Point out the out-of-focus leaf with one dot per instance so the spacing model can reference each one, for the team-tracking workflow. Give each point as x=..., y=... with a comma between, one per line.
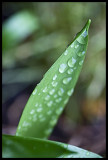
x=21, y=147
x=17, y=28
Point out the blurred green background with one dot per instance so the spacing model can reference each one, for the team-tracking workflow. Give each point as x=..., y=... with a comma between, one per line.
x=34, y=35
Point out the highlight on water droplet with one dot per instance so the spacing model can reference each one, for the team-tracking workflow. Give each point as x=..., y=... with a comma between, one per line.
x=51, y=91
x=48, y=131
x=34, y=92
x=39, y=109
x=58, y=100
x=65, y=101
x=34, y=117
x=36, y=104
x=54, y=84
x=61, y=91
x=62, y=68
x=50, y=103
x=66, y=52
x=47, y=97
x=59, y=110
x=67, y=80
x=80, y=54
x=70, y=70
x=53, y=122
x=54, y=78
x=84, y=34
x=81, y=62
x=72, y=45
x=55, y=96
x=70, y=92
x=71, y=62
x=77, y=45
x=32, y=111
x=45, y=89
x=42, y=119
x=49, y=112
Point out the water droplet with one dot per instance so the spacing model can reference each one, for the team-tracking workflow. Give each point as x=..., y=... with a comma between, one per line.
x=53, y=122
x=55, y=96
x=34, y=117
x=32, y=111
x=66, y=53
x=45, y=89
x=70, y=70
x=48, y=131
x=80, y=54
x=36, y=104
x=81, y=62
x=62, y=68
x=59, y=110
x=50, y=103
x=70, y=92
x=61, y=91
x=34, y=92
x=49, y=112
x=19, y=127
x=54, y=84
x=72, y=45
x=58, y=100
x=77, y=45
x=71, y=62
x=39, y=109
x=84, y=34
x=65, y=101
x=47, y=97
x=25, y=124
x=42, y=119
x=52, y=91
x=67, y=80
x=40, y=116
x=54, y=78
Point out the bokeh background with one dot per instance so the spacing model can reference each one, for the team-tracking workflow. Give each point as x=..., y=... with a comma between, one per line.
x=34, y=35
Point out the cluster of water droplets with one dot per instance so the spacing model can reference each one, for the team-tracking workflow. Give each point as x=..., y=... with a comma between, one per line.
x=53, y=95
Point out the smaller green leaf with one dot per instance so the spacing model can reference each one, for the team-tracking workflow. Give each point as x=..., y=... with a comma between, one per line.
x=21, y=147
x=18, y=27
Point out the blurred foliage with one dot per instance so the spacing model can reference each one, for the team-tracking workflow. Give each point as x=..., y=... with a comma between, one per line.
x=35, y=34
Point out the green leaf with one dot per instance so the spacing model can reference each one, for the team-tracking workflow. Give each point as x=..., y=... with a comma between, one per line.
x=21, y=147
x=52, y=94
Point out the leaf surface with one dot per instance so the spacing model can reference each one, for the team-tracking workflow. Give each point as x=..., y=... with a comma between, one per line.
x=51, y=95
x=21, y=147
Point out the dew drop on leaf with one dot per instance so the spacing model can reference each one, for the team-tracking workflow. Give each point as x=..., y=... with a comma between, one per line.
x=80, y=54
x=50, y=103
x=62, y=68
x=84, y=34
x=54, y=84
x=58, y=100
x=47, y=97
x=70, y=70
x=81, y=62
x=71, y=62
x=61, y=91
x=70, y=92
x=45, y=89
x=67, y=80
x=66, y=52
x=51, y=91
x=54, y=78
